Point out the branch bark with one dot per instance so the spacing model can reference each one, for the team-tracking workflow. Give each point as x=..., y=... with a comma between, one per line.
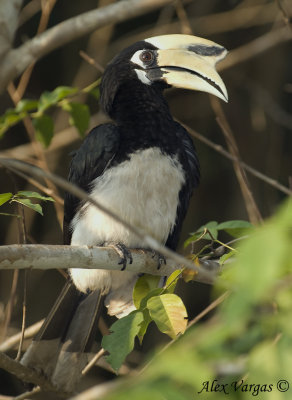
x=17, y=60
x=23, y=373
x=38, y=256
x=9, y=10
x=148, y=241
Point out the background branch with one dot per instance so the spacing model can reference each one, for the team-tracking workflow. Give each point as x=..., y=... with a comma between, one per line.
x=17, y=60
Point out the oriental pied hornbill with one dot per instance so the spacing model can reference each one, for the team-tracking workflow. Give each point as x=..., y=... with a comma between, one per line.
x=143, y=166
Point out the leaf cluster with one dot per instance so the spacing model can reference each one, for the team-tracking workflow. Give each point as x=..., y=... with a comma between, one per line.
x=61, y=97
x=153, y=303
x=248, y=344
x=24, y=197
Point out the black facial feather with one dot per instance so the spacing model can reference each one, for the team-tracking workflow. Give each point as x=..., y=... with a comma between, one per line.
x=119, y=70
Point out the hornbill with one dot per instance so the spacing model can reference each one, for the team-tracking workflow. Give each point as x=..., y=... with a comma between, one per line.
x=144, y=167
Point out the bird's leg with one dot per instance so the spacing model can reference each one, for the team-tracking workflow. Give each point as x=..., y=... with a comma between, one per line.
x=123, y=252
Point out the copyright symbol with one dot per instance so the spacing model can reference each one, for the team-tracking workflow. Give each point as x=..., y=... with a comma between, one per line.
x=282, y=385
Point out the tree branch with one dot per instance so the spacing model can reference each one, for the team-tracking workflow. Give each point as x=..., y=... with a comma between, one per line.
x=148, y=241
x=23, y=373
x=39, y=256
x=17, y=60
x=14, y=340
x=9, y=10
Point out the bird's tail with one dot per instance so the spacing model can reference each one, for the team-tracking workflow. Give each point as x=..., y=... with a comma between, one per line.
x=66, y=340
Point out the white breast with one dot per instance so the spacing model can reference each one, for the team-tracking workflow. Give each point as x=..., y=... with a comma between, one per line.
x=144, y=192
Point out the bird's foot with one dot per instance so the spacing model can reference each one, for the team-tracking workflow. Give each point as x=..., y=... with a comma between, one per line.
x=123, y=252
x=160, y=257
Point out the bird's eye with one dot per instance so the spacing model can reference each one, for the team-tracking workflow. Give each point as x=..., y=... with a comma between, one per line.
x=147, y=57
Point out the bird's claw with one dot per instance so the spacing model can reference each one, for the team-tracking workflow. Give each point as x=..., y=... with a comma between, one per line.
x=160, y=257
x=123, y=252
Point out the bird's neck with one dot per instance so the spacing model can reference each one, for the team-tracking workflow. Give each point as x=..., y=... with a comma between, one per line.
x=142, y=113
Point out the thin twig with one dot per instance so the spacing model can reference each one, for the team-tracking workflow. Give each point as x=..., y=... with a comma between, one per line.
x=46, y=8
x=10, y=304
x=91, y=61
x=251, y=207
x=12, y=341
x=27, y=395
x=94, y=360
x=255, y=47
x=182, y=16
x=38, y=150
x=23, y=325
x=208, y=309
x=42, y=188
x=217, y=147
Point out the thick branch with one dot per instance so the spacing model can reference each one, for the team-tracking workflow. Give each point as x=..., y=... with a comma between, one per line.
x=18, y=59
x=148, y=241
x=23, y=373
x=62, y=257
x=9, y=10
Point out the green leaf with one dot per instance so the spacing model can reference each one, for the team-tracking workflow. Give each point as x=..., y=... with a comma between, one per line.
x=61, y=92
x=172, y=280
x=152, y=293
x=44, y=127
x=235, y=228
x=143, y=286
x=169, y=314
x=211, y=227
x=26, y=105
x=4, y=197
x=29, y=204
x=49, y=99
x=10, y=118
x=34, y=195
x=121, y=341
x=144, y=325
x=79, y=116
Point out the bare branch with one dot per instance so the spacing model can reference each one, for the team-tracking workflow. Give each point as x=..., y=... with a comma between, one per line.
x=23, y=373
x=148, y=241
x=256, y=47
x=250, y=204
x=14, y=340
x=39, y=256
x=17, y=60
x=9, y=10
x=217, y=147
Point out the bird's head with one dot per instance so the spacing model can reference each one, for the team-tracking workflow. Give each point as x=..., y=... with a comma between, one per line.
x=182, y=61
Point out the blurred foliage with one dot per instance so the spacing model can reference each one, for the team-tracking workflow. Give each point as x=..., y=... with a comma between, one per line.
x=247, y=347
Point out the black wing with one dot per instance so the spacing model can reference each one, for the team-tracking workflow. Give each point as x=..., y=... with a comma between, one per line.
x=89, y=162
x=190, y=162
